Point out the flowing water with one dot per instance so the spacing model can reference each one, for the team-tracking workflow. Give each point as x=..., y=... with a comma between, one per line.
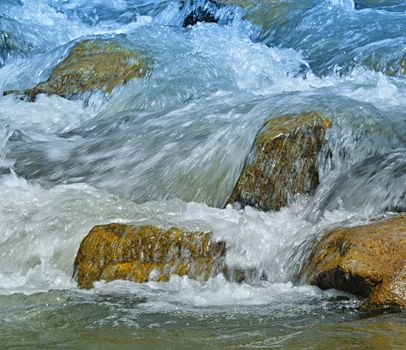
x=168, y=148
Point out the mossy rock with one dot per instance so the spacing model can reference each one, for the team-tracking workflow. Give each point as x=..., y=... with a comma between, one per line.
x=92, y=64
x=265, y=13
x=368, y=260
x=394, y=67
x=137, y=253
x=282, y=162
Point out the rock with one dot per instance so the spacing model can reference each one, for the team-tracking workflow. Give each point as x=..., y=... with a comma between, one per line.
x=282, y=162
x=138, y=253
x=363, y=4
x=267, y=13
x=262, y=13
x=369, y=261
x=7, y=46
x=91, y=64
x=10, y=92
x=392, y=292
x=201, y=13
x=392, y=67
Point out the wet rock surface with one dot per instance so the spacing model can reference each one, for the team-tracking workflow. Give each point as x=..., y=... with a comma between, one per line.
x=282, y=162
x=92, y=64
x=140, y=253
x=368, y=260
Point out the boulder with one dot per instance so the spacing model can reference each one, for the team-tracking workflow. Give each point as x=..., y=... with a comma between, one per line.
x=91, y=64
x=141, y=253
x=282, y=161
x=368, y=260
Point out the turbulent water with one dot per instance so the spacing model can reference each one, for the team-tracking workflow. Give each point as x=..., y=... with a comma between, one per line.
x=167, y=149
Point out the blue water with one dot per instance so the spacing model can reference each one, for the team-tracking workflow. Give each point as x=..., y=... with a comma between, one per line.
x=167, y=149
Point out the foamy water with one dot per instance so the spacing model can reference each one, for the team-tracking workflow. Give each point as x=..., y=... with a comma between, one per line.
x=167, y=150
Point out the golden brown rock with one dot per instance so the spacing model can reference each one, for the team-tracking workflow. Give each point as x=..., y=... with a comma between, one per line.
x=119, y=251
x=369, y=261
x=282, y=162
x=91, y=64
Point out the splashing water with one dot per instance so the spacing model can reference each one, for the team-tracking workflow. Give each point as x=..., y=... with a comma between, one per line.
x=167, y=150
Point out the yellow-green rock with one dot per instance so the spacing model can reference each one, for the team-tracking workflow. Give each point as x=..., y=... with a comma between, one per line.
x=394, y=67
x=92, y=64
x=368, y=260
x=282, y=162
x=264, y=13
x=137, y=253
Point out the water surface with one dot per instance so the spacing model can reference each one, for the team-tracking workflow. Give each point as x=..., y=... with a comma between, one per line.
x=167, y=150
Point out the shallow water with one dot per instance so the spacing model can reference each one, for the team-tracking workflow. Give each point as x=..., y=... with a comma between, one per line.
x=167, y=150
x=125, y=316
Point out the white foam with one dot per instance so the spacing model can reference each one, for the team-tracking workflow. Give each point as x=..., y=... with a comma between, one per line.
x=42, y=229
x=48, y=115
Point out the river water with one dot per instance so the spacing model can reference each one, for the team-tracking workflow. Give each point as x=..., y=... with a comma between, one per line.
x=168, y=148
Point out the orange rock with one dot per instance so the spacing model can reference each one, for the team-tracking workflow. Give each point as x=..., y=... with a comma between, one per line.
x=119, y=251
x=369, y=261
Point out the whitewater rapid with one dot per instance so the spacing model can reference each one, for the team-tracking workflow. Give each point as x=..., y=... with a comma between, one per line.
x=167, y=149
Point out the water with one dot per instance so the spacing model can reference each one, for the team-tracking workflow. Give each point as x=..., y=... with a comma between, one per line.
x=167, y=150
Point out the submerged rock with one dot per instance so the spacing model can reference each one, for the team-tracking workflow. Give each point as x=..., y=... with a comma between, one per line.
x=201, y=13
x=391, y=67
x=282, y=162
x=91, y=64
x=363, y=4
x=119, y=251
x=369, y=261
x=7, y=46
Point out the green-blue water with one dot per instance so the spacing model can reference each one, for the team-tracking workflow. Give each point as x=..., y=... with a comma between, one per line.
x=167, y=149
